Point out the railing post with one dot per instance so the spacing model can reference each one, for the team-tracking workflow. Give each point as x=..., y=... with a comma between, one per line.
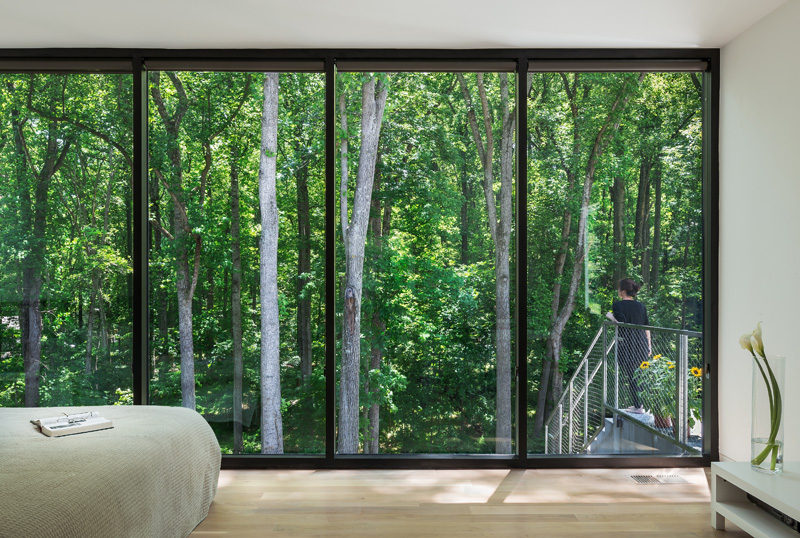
x=682, y=385
x=546, y=440
x=586, y=401
x=605, y=372
x=569, y=420
x=560, y=427
x=616, y=367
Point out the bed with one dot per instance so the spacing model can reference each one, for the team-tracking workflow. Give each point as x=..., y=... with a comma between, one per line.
x=154, y=474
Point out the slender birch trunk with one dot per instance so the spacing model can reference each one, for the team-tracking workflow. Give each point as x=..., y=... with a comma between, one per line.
x=271, y=422
x=373, y=102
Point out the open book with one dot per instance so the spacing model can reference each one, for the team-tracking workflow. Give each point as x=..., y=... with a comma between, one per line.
x=75, y=423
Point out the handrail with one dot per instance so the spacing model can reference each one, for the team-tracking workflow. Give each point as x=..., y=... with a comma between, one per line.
x=578, y=422
x=577, y=371
x=686, y=332
x=609, y=323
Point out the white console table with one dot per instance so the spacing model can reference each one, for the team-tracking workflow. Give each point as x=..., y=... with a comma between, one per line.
x=732, y=481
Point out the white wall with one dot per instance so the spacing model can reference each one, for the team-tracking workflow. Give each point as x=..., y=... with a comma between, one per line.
x=760, y=218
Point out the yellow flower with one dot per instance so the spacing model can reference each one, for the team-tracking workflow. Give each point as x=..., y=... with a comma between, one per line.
x=756, y=342
x=744, y=341
x=697, y=372
x=655, y=358
x=670, y=365
x=645, y=365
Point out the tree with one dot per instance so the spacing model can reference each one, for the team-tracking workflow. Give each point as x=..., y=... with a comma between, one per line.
x=379, y=222
x=188, y=243
x=354, y=230
x=501, y=236
x=271, y=422
x=33, y=216
x=236, y=299
x=562, y=307
x=206, y=123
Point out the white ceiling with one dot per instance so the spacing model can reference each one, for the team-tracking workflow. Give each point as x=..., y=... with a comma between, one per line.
x=377, y=23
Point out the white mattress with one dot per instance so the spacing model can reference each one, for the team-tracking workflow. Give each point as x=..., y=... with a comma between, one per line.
x=154, y=474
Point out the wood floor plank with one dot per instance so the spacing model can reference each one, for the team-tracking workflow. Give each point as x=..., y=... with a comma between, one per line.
x=491, y=503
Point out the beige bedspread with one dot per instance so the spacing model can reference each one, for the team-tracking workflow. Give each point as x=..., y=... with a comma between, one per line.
x=154, y=474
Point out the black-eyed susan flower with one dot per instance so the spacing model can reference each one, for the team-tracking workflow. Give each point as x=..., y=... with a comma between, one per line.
x=656, y=357
x=645, y=365
x=670, y=365
x=697, y=372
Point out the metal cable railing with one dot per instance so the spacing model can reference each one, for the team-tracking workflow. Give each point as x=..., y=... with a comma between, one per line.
x=650, y=375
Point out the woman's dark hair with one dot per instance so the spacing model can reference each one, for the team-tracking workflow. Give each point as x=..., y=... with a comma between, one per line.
x=630, y=287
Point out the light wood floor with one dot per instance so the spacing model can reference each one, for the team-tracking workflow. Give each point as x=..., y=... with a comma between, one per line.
x=547, y=503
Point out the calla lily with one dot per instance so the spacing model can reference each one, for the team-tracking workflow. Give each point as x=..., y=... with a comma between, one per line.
x=744, y=341
x=755, y=345
x=757, y=342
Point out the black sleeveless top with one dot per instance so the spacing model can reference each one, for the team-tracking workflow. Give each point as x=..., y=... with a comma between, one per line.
x=629, y=311
x=632, y=342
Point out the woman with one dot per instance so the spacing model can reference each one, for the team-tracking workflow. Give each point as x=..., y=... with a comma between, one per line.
x=634, y=345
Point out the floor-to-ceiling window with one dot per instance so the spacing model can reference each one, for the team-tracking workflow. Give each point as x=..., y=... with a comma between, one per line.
x=332, y=255
x=425, y=252
x=65, y=239
x=236, y=191
x=615, y=193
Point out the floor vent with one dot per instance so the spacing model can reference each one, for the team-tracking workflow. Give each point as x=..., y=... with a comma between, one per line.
x=645, y=479
x=649, y=479
x=671, y=479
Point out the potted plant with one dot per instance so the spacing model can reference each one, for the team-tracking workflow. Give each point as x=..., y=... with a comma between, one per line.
x=657, y=378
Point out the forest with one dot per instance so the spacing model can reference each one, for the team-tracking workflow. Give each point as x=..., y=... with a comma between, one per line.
x=424, y=257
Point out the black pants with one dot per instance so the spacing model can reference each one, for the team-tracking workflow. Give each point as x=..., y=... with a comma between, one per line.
x=632, y=352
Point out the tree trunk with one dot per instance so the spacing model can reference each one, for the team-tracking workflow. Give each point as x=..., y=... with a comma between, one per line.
x=656, y=254
x=686, y=246
x=502, y=274
x=501, y=239
x=33, y=219
x=373, y=101
x=379, y=224
x=105, y=340
x=161, y=305
x=618, y=203
x=641, y=239
x=271, y=422
x=236, y=303
x=31, y=328
x=90, y=325
x=185, y=330
x=564, y=309
x=303, y=273
x=466, y=196
x=185, y=239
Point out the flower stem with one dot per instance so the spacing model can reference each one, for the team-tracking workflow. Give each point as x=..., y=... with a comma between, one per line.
x=776, y=404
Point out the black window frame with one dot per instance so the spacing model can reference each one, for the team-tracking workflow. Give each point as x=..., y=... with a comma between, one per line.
x=135, y=61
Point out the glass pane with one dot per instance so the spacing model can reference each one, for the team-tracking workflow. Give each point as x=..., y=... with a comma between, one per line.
x=615, y=210
x=424, y=263
x=236, y=259
x=65, y=241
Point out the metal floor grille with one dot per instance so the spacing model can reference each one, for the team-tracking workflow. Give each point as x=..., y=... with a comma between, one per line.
x=658, y=479
x=645, y=479
x=671, y=479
